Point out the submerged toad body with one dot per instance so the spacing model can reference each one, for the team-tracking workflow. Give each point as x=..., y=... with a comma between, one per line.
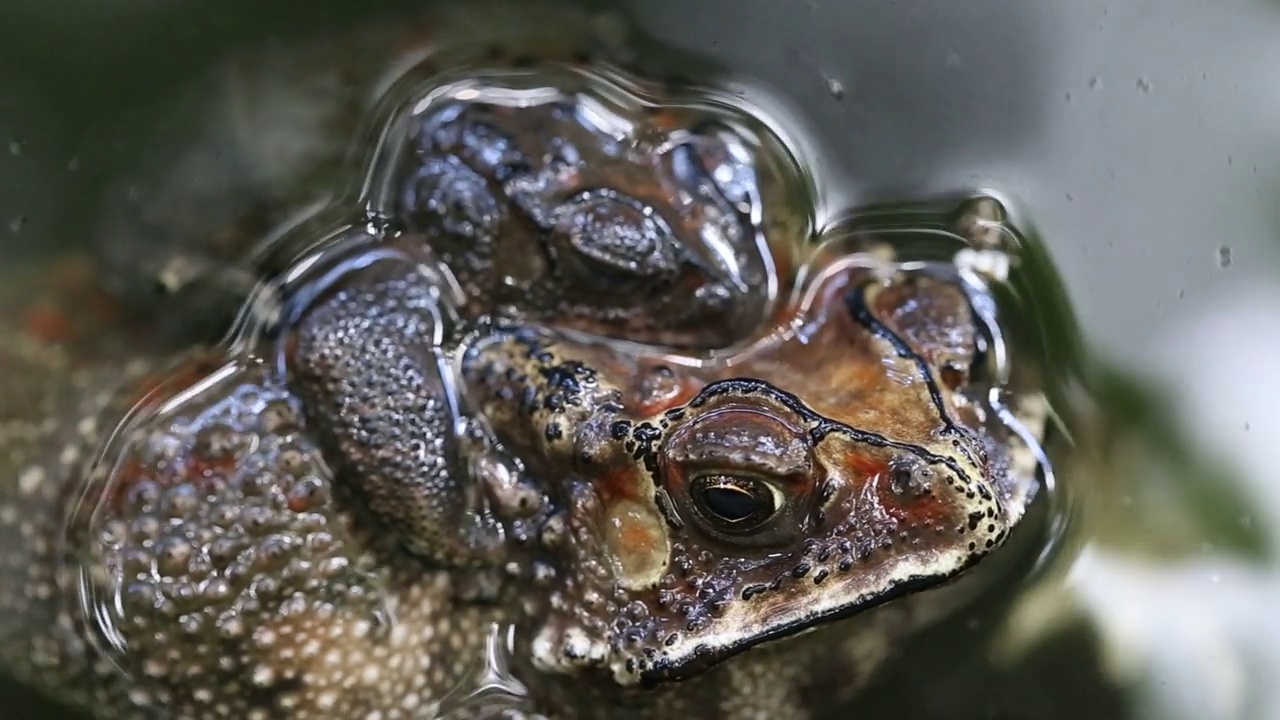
x=443, y=432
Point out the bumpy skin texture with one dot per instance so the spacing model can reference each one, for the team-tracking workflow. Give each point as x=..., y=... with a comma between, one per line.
x=544, y=212
x=381, y=391
x=326, y=521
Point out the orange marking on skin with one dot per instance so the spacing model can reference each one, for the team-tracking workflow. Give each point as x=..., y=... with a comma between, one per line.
x=636, y=539
x=663, y=119
x=617, y=484
x=47, y=324
x=186, y=468
x=199, y=467
x=299, y=504
x=825, y=301
x=911, y=510
x=870, y=468
x=635, y=534
x=147, y=393
x=123, y=480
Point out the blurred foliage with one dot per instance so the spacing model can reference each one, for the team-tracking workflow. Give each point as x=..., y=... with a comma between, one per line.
x=1154, y=489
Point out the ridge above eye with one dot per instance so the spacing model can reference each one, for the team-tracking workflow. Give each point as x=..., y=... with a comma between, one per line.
x=750, y=439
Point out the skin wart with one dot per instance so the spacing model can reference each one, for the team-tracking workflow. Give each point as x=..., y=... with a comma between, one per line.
x=446, y=435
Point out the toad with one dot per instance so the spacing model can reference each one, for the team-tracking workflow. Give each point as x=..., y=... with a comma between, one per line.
x=537, y=445
x=571, y=210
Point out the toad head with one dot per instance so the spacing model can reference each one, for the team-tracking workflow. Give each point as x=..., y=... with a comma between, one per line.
x=747, y=513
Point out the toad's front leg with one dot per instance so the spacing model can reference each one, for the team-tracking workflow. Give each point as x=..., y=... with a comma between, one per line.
x=370, y=365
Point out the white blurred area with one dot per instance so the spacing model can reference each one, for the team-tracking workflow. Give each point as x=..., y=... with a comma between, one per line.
x=1199, y=639
x=1221, y=360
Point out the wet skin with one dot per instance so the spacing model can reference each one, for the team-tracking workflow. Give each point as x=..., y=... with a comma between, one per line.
x=444, y=434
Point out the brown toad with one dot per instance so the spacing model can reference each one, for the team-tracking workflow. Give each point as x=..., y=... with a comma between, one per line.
x=710, y=509
x=438, y=433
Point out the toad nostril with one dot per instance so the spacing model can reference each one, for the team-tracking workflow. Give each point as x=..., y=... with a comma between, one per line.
x=910, y=477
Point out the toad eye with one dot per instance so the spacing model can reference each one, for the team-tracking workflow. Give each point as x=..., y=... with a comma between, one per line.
x=735, y=504
x=742, y=475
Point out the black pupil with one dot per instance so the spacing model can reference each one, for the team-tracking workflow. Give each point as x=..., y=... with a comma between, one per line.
x=733, y=503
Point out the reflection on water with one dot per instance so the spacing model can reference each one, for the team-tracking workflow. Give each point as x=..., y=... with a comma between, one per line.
x=1154, y=605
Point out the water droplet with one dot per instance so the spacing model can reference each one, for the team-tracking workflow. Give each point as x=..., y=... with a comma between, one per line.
x=1067, y=96
x=15, y=146
x=17, y=223
x=1144, y=84
x=1095, y=82
x=1224, y=257
x=835, y=88
x=73, y=164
